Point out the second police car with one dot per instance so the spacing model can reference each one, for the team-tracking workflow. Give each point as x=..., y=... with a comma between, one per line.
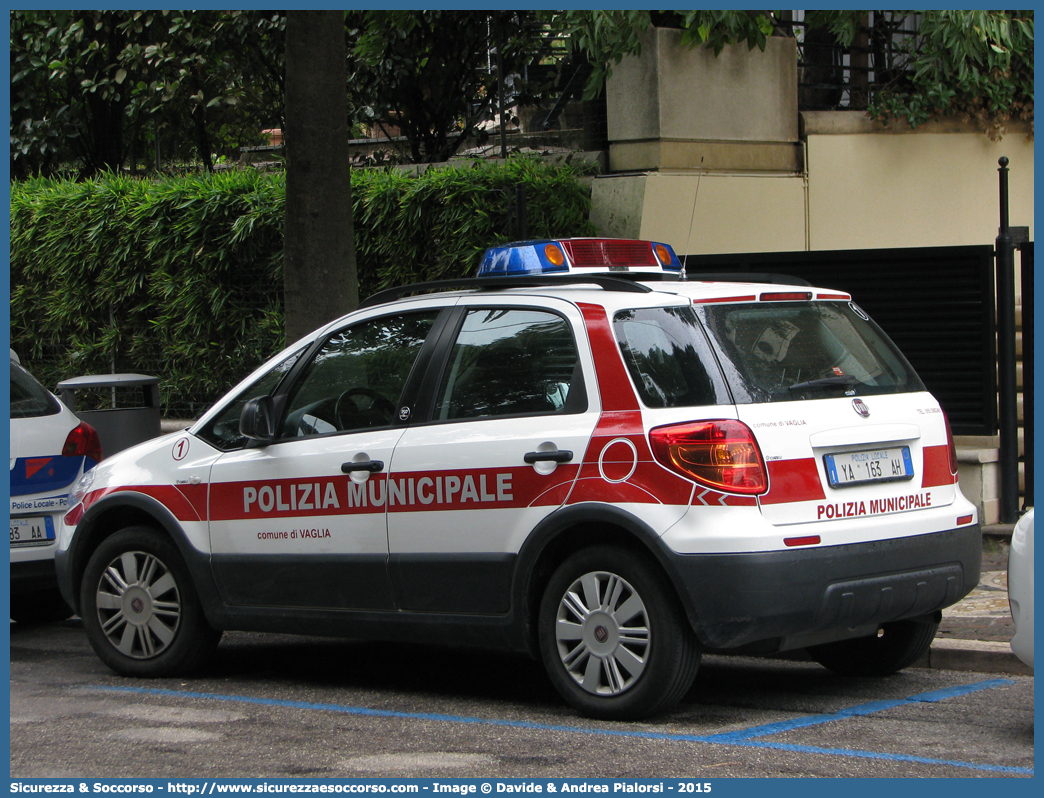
x=50, y=448
x=578, y=454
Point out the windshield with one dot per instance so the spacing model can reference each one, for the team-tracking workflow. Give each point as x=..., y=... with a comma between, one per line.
x=784, y=351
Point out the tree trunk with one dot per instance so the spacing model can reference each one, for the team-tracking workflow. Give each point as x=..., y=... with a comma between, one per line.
x=104, y=139
x=199, y=122
x=319, y=274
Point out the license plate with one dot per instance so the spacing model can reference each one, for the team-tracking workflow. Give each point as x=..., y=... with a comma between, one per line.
x=873, y=465
x=37, y=531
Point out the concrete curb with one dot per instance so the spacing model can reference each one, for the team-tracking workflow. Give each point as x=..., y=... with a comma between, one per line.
x=985, y=656
x=982, y=656
x=1002, y=531
x=955, y=654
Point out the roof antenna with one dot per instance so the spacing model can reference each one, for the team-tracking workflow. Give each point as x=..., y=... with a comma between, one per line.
x=688, y=240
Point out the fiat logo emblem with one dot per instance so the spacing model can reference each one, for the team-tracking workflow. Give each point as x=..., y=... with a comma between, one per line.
x=137, y=605
x=861, y=408
x=601, y=634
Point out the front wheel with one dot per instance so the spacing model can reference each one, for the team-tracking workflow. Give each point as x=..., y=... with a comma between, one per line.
x=615, y=643
x=140, y=610
x=896, y=645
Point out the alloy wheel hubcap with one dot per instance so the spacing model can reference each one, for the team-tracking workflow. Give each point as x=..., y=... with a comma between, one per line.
x=602, y=633
x=139, y=606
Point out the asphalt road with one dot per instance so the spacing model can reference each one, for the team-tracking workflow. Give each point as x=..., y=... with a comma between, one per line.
x=278, y=706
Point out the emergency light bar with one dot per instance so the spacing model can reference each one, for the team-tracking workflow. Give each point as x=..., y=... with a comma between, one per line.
x=577, y=256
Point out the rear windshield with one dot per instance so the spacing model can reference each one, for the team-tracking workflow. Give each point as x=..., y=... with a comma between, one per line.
x=784, y=351
x=29, y=399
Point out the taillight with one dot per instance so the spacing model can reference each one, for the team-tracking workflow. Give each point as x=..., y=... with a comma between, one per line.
x=720, y=454
x=951, y=446
x=83, y=441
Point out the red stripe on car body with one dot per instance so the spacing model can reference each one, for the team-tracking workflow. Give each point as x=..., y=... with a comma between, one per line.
x=793, y=481
x=936, y=470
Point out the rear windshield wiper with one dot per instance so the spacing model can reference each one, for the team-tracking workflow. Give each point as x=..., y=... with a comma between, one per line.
x=846, y=380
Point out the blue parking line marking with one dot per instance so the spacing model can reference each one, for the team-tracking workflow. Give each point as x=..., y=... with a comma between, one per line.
x=856, y=711
x=742, y=738
x=812, y=749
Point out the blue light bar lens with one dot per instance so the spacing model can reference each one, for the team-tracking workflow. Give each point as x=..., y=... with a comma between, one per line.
x=513, y=259
x=670, y=265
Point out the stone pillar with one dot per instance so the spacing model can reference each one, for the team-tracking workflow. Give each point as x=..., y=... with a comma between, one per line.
x=677, y=107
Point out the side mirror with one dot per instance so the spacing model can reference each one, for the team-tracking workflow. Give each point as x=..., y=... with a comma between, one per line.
x=257, y=421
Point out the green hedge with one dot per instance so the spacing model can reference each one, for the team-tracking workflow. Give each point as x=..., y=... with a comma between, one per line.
x=181, y=278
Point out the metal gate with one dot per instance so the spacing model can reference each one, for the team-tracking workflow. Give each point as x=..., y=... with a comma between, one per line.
x=936, y=304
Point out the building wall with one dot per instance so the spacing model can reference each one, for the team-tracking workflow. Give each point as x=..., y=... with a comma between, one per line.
x=863, y=186
x=704, y=214
x=937, y=186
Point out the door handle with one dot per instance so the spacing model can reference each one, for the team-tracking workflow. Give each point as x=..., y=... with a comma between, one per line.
x=557, y=456
x=373, y=466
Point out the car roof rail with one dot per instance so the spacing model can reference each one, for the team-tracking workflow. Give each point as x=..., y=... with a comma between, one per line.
x=604, y=281
x=748, y=277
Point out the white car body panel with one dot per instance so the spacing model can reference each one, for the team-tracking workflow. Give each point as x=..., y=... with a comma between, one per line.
x=1020, y=587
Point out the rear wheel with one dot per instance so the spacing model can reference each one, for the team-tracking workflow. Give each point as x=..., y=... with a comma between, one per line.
x=615, y=643
x=139, y=607
x=896, y=645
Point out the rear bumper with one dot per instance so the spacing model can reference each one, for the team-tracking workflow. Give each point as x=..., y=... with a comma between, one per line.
x=791, y=599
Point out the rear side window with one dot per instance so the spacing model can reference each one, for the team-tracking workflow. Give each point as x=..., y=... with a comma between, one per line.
x=29, y=399
x=511, y=362
x=783, y=351
x=669, y=358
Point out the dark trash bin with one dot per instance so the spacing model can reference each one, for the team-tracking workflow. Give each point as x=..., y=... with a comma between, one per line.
x=134, y=415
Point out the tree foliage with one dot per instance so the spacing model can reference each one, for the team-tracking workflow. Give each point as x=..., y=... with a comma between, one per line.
x=433, y=74
x=971, y=64
x=101, y=88
x=607, y=37
x=104, y=88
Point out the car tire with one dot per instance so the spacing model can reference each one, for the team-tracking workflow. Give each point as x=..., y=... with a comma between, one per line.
x=39, y=607
x=615, y=642
x=140, y=609
x=896, y=645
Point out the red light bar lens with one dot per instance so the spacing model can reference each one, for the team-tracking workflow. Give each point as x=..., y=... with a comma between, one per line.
x=787, y=296
x=610, y=253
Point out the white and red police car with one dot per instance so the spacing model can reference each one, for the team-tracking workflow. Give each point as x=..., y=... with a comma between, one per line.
x=579, y=454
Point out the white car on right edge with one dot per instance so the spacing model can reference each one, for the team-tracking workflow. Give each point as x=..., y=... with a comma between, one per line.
x=1020, y=587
